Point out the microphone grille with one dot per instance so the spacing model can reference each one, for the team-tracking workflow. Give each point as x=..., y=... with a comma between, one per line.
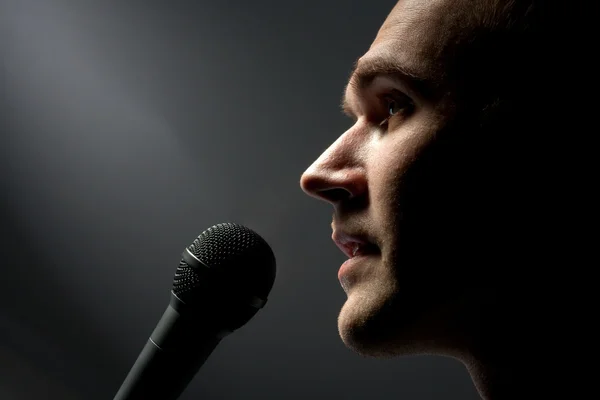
x=185, y=279
x=223, y=243
x=238, y=260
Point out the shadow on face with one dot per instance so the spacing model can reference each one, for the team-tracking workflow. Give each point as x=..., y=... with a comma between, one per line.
x=458, y=208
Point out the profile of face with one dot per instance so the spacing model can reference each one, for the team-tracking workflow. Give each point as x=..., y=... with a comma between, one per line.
x=423, y=180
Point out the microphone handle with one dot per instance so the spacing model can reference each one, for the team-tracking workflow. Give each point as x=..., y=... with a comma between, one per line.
x=170, y=359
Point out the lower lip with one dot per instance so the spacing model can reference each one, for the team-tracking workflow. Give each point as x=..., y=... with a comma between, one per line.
x=350, y=264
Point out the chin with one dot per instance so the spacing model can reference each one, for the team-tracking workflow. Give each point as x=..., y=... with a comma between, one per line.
x=377, y=322
x=365, y=320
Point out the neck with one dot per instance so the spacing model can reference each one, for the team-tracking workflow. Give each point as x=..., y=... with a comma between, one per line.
x=510, y=350
x=504, y=378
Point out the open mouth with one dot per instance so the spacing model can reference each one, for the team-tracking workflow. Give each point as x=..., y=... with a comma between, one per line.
x=361, y=249
x=357, y=254
x=353, y=245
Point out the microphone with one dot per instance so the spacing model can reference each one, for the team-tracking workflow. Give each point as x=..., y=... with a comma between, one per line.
x=223, y=279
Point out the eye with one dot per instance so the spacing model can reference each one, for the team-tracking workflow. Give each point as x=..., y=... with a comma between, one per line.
x=393, y=107
x=393, y=104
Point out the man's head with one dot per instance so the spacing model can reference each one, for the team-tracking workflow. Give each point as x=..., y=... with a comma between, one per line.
x=436, y=172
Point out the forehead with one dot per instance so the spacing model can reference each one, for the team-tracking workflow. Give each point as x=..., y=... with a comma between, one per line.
x=423, y=35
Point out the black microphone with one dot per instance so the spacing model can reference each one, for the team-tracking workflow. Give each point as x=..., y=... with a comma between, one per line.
x=223, y=279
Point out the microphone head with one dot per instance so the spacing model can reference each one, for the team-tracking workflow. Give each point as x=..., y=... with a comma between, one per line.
x=235, y=266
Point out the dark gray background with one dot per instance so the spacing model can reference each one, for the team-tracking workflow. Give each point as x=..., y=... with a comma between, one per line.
x=130, y=127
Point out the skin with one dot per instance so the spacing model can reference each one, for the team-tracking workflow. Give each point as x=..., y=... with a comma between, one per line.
x=443, y=190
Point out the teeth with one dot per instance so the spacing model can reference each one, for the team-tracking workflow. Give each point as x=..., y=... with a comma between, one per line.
x=355, y=249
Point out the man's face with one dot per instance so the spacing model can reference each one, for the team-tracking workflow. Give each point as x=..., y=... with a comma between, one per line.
x=403, y=178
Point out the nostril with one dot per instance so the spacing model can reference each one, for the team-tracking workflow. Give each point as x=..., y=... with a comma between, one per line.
x=334, y=195
x=335, y=186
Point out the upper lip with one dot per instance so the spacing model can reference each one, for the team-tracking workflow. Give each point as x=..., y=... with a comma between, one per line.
x=347, y=242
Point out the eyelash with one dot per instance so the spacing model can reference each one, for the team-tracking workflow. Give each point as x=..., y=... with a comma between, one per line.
x=394, y=97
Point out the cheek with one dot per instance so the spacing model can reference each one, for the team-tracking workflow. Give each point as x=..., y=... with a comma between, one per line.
x=391, y=159
x=391, y=178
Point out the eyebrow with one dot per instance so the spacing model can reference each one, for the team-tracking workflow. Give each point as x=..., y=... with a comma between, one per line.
x=367, y=70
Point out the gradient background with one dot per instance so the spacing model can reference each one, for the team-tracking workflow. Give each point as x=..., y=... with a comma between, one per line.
x=130, y=127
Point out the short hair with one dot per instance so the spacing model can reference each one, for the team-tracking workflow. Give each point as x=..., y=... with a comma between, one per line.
x=508, y=56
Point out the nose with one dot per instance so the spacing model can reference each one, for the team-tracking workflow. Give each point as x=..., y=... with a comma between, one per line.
x=338, y=174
